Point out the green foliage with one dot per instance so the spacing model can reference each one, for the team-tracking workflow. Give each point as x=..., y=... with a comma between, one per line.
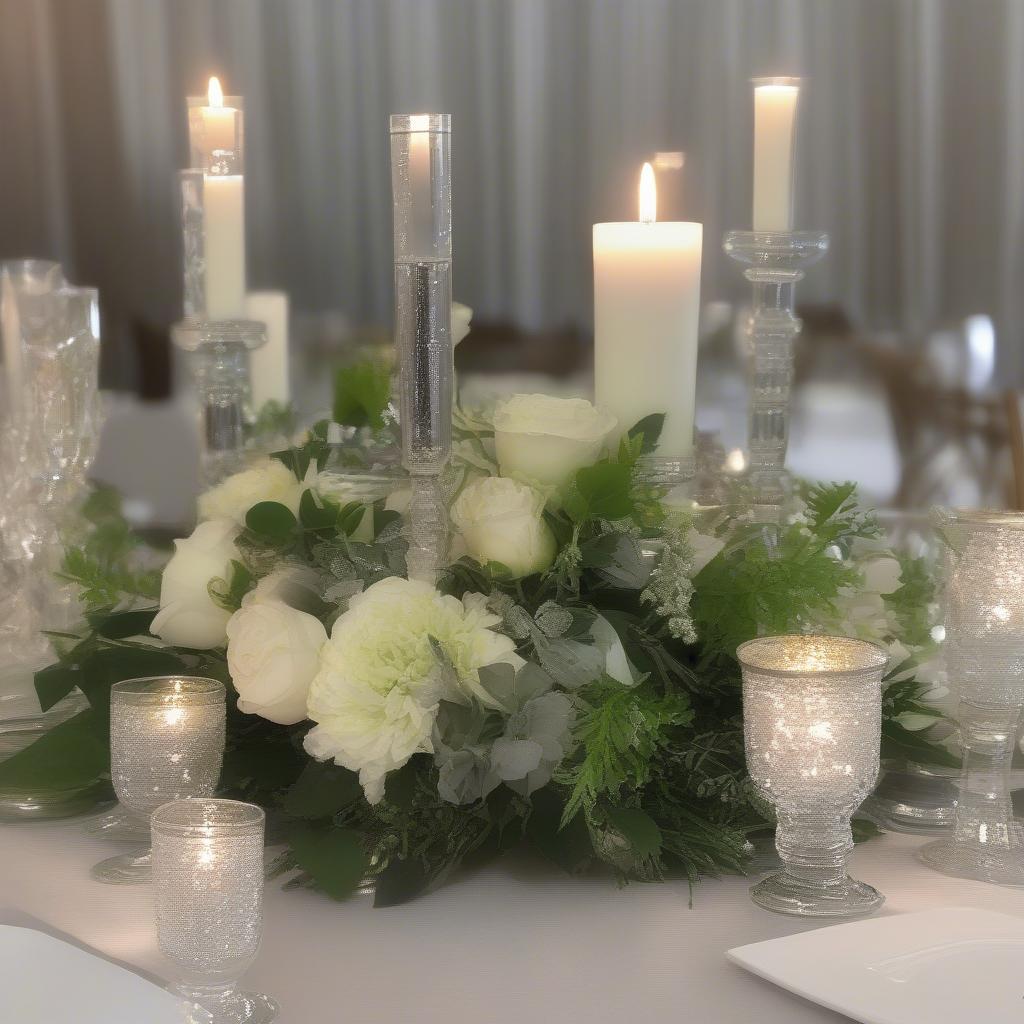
x=71, y=755
x=752, y=587
x=274, y=418
x=333, y=857
x=271, y=522
x=617, y=732
x=361, y=394
x=648, y=432
x=911, y=602
x=105, y=563
x=603, y=491
x=228, y=593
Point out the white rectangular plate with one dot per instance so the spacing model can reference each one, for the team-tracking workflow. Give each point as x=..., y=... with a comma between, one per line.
x=948, y=966
x=45, y=981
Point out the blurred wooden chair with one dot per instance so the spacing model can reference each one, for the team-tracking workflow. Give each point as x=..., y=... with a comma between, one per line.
x=958, y=443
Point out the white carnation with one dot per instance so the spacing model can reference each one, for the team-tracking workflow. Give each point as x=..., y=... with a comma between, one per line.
x=543, y=440
x=188, y=616
x=376, y=694
x=273, y=654
x=232, y=498
x=502, y=520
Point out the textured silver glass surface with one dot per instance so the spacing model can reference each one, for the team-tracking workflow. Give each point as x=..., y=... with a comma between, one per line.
x=166, y=743
x=421, y=196
x=209, y=876
x=984, y=602
x=812, y=716
x=773, y=263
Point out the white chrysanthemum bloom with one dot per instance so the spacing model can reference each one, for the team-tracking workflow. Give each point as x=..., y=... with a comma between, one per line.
x=232, y=498
x=543, y=440
x=273, y=654
x=502, y=520
x=376, y=694
x=461, y=317
x=188, y=616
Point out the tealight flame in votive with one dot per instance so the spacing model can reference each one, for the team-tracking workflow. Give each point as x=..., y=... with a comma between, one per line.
x=735, y=461
x=174, y=716
x=419, y=123
x=648, y=195
x=207, y=854
x=214, y=93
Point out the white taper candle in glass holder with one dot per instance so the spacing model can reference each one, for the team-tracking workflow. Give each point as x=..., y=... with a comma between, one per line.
x=166, y=743
x=208, y=872
x=422, y=202
x=812, y=719
x=216, y=327
x=646, y=312
x=985, y=663
x=774, y=258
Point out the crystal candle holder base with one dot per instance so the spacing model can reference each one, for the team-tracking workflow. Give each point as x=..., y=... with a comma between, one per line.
x=125, y=869
x=226, y=1006
x=783, y=894
x=1000, y=865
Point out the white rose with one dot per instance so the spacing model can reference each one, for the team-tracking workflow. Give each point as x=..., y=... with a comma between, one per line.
x=502, y=520
x=461, y=317
x=882, y=575
x=543, y=440
x=376, y=695
x=233, y=497
x=188, y=617
x=273, y=655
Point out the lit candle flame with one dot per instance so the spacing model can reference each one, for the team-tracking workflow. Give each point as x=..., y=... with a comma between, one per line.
x=419, y=123
x=214, y=93
x=648, y=196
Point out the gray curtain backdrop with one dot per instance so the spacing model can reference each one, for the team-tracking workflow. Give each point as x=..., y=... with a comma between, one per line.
x=911, y=143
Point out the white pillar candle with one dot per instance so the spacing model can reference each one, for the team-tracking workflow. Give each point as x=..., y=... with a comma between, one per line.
x=421, y=228
x=215, y=134
x=646, y=308
x=224, y=244
x=269, y=363
x=774, y=123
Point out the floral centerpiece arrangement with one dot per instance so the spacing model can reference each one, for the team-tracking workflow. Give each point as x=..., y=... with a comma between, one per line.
x=569, y=683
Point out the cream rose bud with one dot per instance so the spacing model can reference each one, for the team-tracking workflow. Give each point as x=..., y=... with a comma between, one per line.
x=273, y=655
x=270, y=480
x=461, y=317
x=502, y=520
x=543, y=440
x=188, y=617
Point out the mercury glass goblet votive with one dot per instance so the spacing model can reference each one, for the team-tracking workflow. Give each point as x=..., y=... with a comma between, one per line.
x=166, y=743
x=985, y=663
x=812, y=716
x=208, y=869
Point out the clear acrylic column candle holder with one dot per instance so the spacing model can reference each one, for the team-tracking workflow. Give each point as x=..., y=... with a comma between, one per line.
x=812, y=718
x=208, y=872
x=422, y=200
x=985, y=663
x=773, y=262
x=166, y=743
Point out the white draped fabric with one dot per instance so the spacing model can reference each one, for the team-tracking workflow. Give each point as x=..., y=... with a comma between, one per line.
x=911, y=148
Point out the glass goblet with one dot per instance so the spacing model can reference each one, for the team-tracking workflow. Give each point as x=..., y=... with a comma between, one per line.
x=166, y=743
x=208, y=869
x=985, y=662
x=812, y=716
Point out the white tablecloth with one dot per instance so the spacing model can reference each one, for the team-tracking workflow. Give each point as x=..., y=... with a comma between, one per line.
x=515, y=942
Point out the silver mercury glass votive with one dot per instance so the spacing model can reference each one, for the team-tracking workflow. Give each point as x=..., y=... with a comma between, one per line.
x=812, y=716
x=166, y=743
x=985, y=663
x=209, y=874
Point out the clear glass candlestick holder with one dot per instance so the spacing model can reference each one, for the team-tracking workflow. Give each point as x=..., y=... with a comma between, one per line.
x=773, y=262
x=166, y=743
x=209, y=875
x=812, y=717
x=985, y=663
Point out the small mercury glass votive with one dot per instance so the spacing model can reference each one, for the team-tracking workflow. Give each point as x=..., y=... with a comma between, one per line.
x=209, y=874
x=166, y=743
x=812, y=716
x=985, y=660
